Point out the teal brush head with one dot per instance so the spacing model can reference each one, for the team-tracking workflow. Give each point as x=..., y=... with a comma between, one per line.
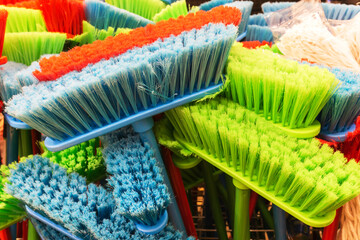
x=306, y=179
x=257, y=19
x=137, y=80
x=46, y=232
x=138, y=186
x=259, y=33
x=9, y=86
x=206, y=6
x=102, y=16
x=245, y=7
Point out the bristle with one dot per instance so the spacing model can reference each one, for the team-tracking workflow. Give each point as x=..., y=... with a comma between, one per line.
x=284, y=90
x=245, y=7
x=6, y=2
x=3, y=18
x=29, y=4
x=26, y=47
x=268, y=157
x=47, y=232
x=174, y=10
x=24, y=20
x=115, y=100
x=102, y=16
x=255, y=44
x=213, y=3
x=72, y=60
x=139, y=189
x=257, y=19
x=259, y=33
x=275, y=6
x=64, y=16
x=9, y=86
x=145, y=8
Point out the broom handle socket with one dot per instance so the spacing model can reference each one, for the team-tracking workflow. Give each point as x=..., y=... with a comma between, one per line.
x=144, y=129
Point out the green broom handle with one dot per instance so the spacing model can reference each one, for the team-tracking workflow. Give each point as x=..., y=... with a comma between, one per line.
x=241, y=230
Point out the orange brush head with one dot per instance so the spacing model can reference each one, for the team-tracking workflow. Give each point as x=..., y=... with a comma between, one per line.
x=30, y=4
x=3, y=17
x=65, y=16
x=255, y=44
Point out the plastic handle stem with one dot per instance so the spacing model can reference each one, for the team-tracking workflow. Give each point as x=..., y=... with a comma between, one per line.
x=331, y=230
x=241, y=230
x=32, y=234
x=280, y=223
x=12, y=144
x=144, y=128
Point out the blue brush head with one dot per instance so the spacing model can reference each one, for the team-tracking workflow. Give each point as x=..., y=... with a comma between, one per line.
x=268, y=7
x=259, y=33
x=257, y=19
x=102, y=15
x=9, y=86
x=207, y=6
x=87, y=211
x=139, y=189
x=47, y=232
x=245, y=7
x=343, y=108
x=135, y=81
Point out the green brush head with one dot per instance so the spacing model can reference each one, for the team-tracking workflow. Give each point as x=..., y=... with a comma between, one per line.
x=307, y=180
x=24, y=20
x=145, y=8
x=174, y=10
x=282, y=90
x=10, y=210
x=27, y=47
x=85, y=159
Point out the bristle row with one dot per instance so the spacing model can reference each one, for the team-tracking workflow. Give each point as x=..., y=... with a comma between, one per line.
x=174, y=10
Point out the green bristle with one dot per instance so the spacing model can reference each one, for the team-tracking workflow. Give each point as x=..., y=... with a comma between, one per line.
x=24, y=20
x=174, y=10
x=283, y=90
x=145, y=8
x=27, y=47
x=302, y=173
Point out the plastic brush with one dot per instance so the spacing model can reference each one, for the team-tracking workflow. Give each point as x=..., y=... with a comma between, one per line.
x=87, y=211
x=102, y=16
x=63, y=16
x=245, y=7
x=26, y=47
x=282, y=90
x=46, y=232
x=30, y=4
x=145, y=8
x=24, y=20
x=255, y=44
x=10, y=209
x=206, y=6
x=139, y=189
x=257, y=19
x=174, y=10
x=120, y=105
x=307, y=180
x=3, y=18
x=9, y=86
x=259, y=33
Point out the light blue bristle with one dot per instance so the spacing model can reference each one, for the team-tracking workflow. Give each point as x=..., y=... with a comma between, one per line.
x=207, y=6
x=137, y=80
x=87, y=211
x=102, y=16
x=268, y=7
x=245, y=7
x=46, y=232
x=343, y=107
x=9, y=87
x=259, y=33
x=257, y=19
x=25, y=76
x=139, y=189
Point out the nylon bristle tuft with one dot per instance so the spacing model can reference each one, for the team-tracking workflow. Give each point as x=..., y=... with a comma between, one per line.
x=174, y=10
x=3, y=17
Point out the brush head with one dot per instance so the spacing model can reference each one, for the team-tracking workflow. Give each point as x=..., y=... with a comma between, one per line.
x=245, y=7
x=257, y=19
x=256, y=44
x=3, y=18
x=206, y=6
x=259, y=33
x=9, y=86
x=29, y=4
x=174, y=10
x=302, y=177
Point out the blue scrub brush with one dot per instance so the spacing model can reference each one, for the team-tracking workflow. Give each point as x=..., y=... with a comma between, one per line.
x=9, y=86
x=102, y=15
x=138, y=185
x=87, y=211
x=259, y=33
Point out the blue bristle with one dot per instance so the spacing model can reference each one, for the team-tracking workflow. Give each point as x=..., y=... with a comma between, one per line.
x=102, y=15
x=47, y=232
x=207, y=6
x=257, y=19
x=343, y=108
x=259, y=33
x=25, y=76
x=115, y=136
x=9, y=86
x=139, y=189
x=137, y=80
x=245, y=7
x=332, y=11
x=169, y=1
x=87, y=211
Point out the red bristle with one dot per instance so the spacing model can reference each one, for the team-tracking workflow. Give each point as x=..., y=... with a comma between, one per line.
x=1, y=106
x=65, y=16
x=31, y=4
x=6, y=2
x=79, y=57
x=255, y=44
x=3, y=17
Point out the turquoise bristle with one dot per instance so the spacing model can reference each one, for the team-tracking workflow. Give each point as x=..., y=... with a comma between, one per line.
x=137, y=80
x=257, y=19
x=9, y=86
x=268, y=7
x=137, y=182
x=259, y=33
x=245, y=7
x=207, y=6
x=102, y=15
x=46, y=232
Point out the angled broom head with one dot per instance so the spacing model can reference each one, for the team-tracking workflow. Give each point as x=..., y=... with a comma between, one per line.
x=174, y=10
x=3, y=18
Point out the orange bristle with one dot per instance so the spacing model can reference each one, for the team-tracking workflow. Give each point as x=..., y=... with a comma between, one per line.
x=6, y=2
x=31, y=4
x=255, y=44
x=65, y=16
x=3, y=17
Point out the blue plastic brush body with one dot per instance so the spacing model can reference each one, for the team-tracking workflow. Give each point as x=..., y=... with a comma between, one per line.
x=15, y=123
